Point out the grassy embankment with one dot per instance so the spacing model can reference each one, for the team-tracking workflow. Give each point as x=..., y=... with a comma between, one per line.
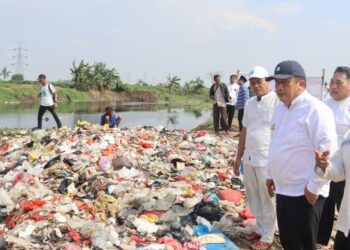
x=28, y=93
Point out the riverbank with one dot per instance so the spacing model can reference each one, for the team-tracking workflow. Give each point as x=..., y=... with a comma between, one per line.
x=28, y=93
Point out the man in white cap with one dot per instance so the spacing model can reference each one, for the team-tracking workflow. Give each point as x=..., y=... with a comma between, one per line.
x=253, y=146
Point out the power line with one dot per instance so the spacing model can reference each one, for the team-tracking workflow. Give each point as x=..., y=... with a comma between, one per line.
x=20, y=58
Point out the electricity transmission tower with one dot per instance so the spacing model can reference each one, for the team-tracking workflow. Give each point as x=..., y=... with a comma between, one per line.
x=20, y=58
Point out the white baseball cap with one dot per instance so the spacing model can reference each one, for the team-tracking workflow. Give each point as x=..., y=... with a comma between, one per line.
x=258, y=72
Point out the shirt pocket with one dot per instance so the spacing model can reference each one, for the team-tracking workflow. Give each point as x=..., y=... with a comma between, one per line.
x=267, y=114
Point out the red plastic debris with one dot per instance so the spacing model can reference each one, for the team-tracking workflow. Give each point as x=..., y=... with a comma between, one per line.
x=246, y=214
x=145, y=145
x=138, y=240
x=231, y=195
x=31, y=205
x=4, y=148
x=71, y=246
x=222, y=176
x=109, y=150
x=38, y=217
x=143, y=136
x=23, y=177
x=182, y=131
x=71, y=139
x=202, y=133
x=171, y=242
x=73, y=234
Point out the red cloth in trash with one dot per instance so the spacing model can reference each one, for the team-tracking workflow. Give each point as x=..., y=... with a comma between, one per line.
x=171, y=242
x=231, y=195
x=31, y=205
x=246, y=214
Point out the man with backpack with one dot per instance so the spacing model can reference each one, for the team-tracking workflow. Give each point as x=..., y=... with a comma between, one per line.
x=48, y=101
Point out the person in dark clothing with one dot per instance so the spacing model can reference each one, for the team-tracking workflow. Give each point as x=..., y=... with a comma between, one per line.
x=48, y=101
x=220, y=96
x=242, y=98
x=109, y=118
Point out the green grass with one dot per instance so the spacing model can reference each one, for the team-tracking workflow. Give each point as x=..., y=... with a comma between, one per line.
x=14, y=92
x=174, y=98
x=28, y=92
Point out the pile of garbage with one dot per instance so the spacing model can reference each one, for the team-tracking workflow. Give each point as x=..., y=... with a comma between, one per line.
x=96, y=188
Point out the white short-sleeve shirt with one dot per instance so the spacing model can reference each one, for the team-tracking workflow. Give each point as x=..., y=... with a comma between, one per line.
x=46, y=96
x=257, y=119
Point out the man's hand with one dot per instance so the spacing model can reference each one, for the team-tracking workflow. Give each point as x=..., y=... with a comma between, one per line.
x=55, y=105
x=322, y=159
x=310, y=197
x=270, y=187
x=236, y=166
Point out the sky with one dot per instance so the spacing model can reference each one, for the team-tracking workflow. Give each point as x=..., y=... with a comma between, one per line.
x=149, y=39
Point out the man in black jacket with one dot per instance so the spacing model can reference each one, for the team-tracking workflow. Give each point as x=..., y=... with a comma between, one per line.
x=220, y=95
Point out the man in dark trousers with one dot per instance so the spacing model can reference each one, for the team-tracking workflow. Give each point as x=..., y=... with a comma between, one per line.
x=242, y=98
x=220, y=96
x=301, y=124
x=48, y=101
x=339, y=102
x=233, y=89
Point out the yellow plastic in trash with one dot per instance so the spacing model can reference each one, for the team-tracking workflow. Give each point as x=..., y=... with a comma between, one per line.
x=33, y=156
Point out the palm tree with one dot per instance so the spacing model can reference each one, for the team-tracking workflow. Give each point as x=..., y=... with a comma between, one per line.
x=173, y=82
x=81, y=75
x=194, y=86
x=5, y=73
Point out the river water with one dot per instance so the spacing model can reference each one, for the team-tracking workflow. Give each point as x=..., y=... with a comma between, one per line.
x=133, y=114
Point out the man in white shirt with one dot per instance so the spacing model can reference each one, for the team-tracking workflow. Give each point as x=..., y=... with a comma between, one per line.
x=253, y=146
x=301, y=124
x=338, y=169
x=233, y=89
x=339, y=102
x=48, y=101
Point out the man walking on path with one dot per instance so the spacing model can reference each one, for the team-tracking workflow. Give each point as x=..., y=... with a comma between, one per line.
x=219, y=94
x=301, y=124
x=48, y=101
x=242, y=98
x=339, y=102
x=253, y=146
x=233, y=89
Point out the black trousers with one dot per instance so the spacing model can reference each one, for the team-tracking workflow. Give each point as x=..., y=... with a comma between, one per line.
x=240, y=118
x=51, y=109
x=342, y=242
x=334, y=199
x=219, y=117
x=230, y=114
x=298, y=221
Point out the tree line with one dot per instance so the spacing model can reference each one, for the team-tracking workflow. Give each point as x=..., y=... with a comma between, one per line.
x=98, y=76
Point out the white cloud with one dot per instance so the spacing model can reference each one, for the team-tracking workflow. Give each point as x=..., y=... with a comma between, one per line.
x=284, y=8
x=212, y=16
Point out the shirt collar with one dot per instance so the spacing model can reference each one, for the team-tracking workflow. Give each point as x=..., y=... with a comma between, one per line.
x=299, y=99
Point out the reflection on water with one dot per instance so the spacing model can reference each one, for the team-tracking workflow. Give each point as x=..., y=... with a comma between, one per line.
x=133, y=114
